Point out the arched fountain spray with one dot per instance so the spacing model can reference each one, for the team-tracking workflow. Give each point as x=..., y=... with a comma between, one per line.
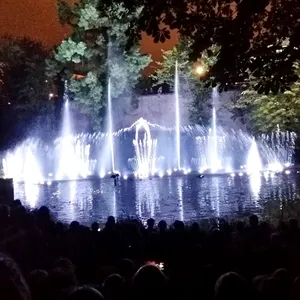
x=145, y=149
x=178, y=143
x=110, y=126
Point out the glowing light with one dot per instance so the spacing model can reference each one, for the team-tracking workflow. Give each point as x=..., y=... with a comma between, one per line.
x=125, y=177
x=287, y=172
x=51, y=95
x=50, y=174
x=232, y=175
x=102, y=174
x=241, y=174
x=49, y=182
x=287, y=165
x=161, y=174
x=169, y=172
x=200, y=70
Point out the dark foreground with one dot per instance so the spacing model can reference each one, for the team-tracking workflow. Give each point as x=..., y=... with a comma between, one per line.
x=170, y=198
x=56, y=260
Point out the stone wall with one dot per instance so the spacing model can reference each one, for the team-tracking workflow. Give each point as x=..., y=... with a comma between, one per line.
x=160, y=109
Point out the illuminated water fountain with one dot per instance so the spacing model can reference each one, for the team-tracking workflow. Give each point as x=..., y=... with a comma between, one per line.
x=145, y=149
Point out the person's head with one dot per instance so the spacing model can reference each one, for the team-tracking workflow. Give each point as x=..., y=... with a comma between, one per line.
x=16, y=203
x=85, y=293
x=111, y=222
x=150, y=223
x=113, y=286
x=195, y=227
x=12, y=283
x=284, y=281
x=126, y=268
x=162, y=225
x=149, y=278
x=43, y=213
x=63, y=274
x=74, y=226
x=95, y=227
x=253, y=220
x=38, y=281
x=231, y=286
x=276, y=239
x=178, y=225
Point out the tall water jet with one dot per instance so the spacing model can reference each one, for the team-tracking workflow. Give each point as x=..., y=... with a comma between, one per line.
x=110, y=126
x=254, y=163
x=214, y=160
x=145, y=150
x=68, y=166
x=177, y=117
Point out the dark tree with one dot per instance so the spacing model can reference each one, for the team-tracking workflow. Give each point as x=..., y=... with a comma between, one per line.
x=259, y=39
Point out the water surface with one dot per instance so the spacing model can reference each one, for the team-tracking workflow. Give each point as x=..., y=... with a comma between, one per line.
x=176, y=197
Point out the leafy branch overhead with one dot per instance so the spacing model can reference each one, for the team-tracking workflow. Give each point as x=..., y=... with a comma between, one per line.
x=97, y=49
x=267, y=112
x=257, y=38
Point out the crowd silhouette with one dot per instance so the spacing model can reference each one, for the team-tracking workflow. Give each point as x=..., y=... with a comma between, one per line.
x=43, y=259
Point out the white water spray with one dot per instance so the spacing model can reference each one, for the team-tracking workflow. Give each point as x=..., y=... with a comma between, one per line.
x=145, y=150
x=254, y=163
x=214, y=160
x=110, y=127
x=177, y=117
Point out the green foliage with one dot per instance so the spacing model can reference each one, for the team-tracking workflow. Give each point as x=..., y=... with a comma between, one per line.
x=24, y=81
x=191, y=84
x=266, y=112
x=250, y=34
x=98, y=49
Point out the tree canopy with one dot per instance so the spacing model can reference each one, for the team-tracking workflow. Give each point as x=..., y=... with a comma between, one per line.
x=97, y=49
x=258, y=39
x=267, y=112
x=23, y=78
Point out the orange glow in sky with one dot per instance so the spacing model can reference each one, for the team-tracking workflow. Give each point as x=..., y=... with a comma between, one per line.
x=37, y=19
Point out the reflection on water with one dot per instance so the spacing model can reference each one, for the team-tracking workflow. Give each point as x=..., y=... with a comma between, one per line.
x=170, y=198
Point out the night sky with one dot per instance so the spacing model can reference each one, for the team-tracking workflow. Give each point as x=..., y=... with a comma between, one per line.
x=38, y=20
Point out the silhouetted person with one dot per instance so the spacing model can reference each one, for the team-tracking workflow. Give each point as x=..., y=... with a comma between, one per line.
x=12, y=283
x=232, y=286
x=114, y=287
x=85, y=293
